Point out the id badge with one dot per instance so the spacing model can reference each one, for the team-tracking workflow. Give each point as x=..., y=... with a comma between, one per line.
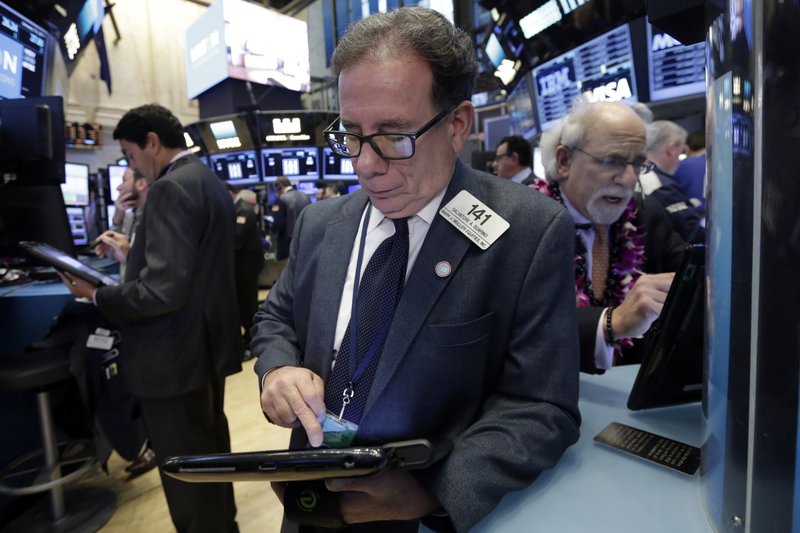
x=338, y=432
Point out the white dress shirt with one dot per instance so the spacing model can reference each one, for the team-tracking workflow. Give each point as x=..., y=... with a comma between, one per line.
x=381, y=228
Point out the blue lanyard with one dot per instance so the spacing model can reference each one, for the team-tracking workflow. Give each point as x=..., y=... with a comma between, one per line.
x=355, y=372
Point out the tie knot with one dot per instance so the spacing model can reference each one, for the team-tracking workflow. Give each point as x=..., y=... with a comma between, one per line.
x=601, y=231
x=400, y=226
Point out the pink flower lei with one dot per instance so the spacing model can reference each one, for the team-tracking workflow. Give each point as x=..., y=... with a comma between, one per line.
x=627, y=255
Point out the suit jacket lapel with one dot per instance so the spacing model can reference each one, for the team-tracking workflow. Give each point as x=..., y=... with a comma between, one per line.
x=334, y=257
x=423, y=288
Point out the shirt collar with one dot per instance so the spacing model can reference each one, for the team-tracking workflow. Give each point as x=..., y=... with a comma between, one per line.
x=576, y=216
x=522, y=175
x=427, y=213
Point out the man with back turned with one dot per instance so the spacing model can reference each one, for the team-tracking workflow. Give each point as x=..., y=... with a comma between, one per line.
x=177, y=311
x=435, y=302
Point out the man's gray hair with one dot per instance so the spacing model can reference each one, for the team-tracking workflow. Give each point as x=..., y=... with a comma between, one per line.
x=247, y=195
x=661, y=132
x=570, y=132
x=447, y=49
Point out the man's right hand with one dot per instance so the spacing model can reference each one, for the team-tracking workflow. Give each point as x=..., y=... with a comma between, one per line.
x=114, y=243
x=124, y=201
x=642, y=306
x=294, y=397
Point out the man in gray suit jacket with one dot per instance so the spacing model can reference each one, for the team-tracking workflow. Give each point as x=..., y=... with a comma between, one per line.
x=177, y=310
x=482, y=351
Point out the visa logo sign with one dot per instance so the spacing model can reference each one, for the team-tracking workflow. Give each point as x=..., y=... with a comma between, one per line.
x=10, y=71
x=613, y=91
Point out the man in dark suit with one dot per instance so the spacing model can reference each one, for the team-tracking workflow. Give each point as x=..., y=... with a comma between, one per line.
x=592, y=161
x=514, y=160
x=481, y=352
x=284, y=213
x=177, y=310
x=248, y=261
x=666, y=141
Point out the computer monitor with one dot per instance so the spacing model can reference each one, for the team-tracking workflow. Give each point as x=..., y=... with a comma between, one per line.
x=672, y=366
x=309, y=188
x=25, y=46
x=236, y=168
x=116, y=175
x=32, y=213
x=75, y=188
x=32, y=143
x=295, y=162
x=336, y=168
x=77, y=226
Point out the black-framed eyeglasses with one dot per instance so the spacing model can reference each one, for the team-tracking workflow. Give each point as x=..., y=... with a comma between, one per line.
x=619, y=164
x=507, y=154
x=387, y=145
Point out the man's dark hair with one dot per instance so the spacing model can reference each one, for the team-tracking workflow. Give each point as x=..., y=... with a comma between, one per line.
x=696, y=140
x=138, y=122
x=447, y=49
x=518, y=145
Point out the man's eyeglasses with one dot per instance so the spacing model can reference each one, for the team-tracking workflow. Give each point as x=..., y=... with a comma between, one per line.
x=386, y=145
x=498, y=157
x=618, y=164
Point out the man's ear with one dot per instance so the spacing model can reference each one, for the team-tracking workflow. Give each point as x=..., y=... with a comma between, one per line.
x=462, y=124
x=563, y=161
x=152, y=140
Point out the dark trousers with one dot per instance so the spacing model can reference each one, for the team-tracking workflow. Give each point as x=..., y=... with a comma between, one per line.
x=190, y=424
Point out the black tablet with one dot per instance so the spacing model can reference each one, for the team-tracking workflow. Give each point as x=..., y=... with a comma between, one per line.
x=300, y=465
x=63, y=262
x=672, y=364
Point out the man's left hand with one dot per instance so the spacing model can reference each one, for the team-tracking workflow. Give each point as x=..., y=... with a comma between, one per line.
x=388, y=495
x=78, y=287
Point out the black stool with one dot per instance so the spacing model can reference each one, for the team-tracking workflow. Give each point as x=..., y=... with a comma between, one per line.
x=77, y=510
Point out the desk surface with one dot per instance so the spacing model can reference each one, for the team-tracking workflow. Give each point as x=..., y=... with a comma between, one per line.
x=596, y=488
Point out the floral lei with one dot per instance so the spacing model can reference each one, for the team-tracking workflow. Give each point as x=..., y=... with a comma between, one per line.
x=625, y=263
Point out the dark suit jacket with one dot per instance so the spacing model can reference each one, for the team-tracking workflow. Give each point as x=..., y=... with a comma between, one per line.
x=663, y=249
x=248, y=250
x=177, y=307
x=485, y=358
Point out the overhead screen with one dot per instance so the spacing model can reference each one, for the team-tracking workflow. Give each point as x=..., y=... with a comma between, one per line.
x=335, y=167
x=23, y=46
x=246, y=41
x=290, y=162
x=521, y=112
x=674, y=70
x=600, y=69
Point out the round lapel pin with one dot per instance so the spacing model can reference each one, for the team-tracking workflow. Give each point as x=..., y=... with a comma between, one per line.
x=443, y=269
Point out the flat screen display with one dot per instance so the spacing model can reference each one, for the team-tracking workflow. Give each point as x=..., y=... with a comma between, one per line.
x=267, y=47
x=116, y=175
x=237, y=168
x=246, y=41
x=289, y=162
x=230, y=133
x=494, y=50
x=75, y=188
x=77, y=226
x=600, y=69
x=205, y=54
x=674, y=70
x=335, y=167
x=521, y=111
x=24, y=52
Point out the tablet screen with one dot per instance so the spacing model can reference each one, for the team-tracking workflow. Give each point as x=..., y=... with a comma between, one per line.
x=63, y=261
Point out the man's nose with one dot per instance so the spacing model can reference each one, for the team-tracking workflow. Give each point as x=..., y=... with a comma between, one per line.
x=369, y=163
